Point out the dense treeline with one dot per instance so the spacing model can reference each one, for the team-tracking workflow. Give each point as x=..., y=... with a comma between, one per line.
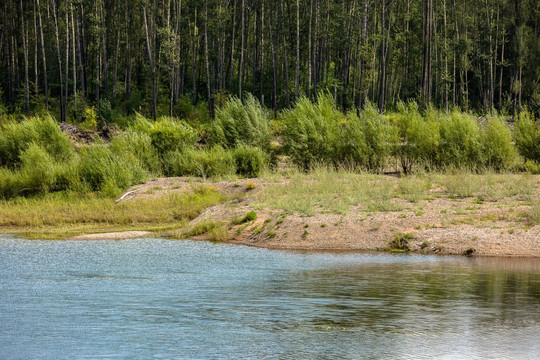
x=159, y=57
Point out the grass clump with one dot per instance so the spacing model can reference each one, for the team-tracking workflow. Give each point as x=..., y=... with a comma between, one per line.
x=16, y=137
x=215, y=230
x=400, y=243
x=250, y=216
x=240, y=123
x=213, y=162
x=250, y=161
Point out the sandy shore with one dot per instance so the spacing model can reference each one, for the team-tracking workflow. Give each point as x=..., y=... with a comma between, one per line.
x=442, y=227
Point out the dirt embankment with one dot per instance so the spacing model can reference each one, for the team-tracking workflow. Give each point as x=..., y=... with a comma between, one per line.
x=486, y=230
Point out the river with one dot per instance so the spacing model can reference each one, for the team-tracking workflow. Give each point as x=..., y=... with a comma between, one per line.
x=157, y=298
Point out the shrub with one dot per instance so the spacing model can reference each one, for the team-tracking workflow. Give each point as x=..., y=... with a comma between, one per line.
x=134, y=146
x=532, y=167
x=16, y=137
x=105, y=111
x=241, y=124
x=205, y=163
x=10, y=183
x=418, y=137
x=37, y=170
x=527, y=137
x=460, y=144
x=380, y=137
x=250, y=161
x=497, y=149
x=90, y=121
x=102, y=171
x=319, y=133
x=168, y=135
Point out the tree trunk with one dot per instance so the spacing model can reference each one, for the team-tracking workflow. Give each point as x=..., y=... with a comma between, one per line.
x=151, y=62
x=44, y=58
x=297, y=91
x=25, y=51
x=241, y=64
x=62, y=103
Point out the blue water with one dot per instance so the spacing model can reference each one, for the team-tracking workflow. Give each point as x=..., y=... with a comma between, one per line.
x=155, y=298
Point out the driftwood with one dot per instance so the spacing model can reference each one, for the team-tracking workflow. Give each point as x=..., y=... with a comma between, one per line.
x=129, y=193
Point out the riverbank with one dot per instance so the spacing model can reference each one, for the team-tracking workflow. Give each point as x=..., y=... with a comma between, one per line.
x=485, y=215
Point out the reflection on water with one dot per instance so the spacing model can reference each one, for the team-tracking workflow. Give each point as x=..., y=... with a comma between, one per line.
x=181, y=299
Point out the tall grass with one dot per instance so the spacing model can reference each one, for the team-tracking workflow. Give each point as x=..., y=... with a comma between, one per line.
x=73, y=213
x=240, y=123
x=205, y=163
x=16, y=137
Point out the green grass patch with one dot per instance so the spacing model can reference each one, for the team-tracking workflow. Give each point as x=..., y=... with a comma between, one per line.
x=68, y=214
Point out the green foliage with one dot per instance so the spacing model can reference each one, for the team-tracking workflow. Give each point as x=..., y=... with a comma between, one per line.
x=318, y=133
x=211, y=162
x=16, y=137
x=192, y=114
x=105, y=111
x=460, y=144
x=250, y=216
x=249, y=160
x=37, y=169
x=101, y=170
x=241, y=124
x=418, y=137
x=169, y=135
x=380, y=137
x=166, y=134
x=137, y=147
x=90, y=121
x=10, y=183
x=527, y=137
x=400, y=242
x=497, y=149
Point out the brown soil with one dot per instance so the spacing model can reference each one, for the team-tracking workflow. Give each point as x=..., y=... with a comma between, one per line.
x=490, y=229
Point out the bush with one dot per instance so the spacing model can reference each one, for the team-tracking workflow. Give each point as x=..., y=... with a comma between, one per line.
x=37, y=170
x=250, y=161
x=497, y=149
x=102, y=171
x=16, y=137
x=460, y=144
x=418, y=137
x=241, y=124
x=380, y=137
x=10, y=183
x=90, y=121
x=527, y=137
x=134, y=146
x=105, y=111
x=205, y=163
x=166, y=134
x=319, y=133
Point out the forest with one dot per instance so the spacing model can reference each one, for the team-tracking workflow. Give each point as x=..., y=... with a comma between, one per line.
x=162, y=57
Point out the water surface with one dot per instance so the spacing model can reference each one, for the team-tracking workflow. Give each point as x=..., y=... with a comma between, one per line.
x=154, y=298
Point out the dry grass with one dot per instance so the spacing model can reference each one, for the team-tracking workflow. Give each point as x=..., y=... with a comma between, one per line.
x=61, y=214
x=338, y=191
